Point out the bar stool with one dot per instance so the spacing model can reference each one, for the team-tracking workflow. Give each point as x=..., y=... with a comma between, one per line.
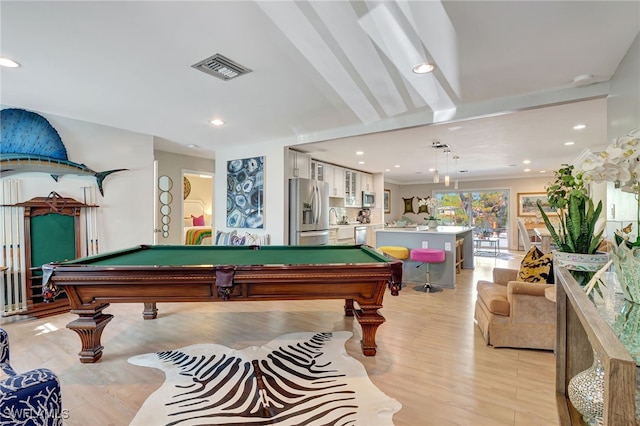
x=427, y=256
x=398, y=252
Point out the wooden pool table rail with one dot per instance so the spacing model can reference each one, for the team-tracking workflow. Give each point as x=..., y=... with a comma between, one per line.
x=91, y=289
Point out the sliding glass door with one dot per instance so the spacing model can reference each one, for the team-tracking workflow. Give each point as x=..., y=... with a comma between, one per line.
x=486, y=210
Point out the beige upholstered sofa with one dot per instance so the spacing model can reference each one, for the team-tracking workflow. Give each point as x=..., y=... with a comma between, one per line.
x=515, y=314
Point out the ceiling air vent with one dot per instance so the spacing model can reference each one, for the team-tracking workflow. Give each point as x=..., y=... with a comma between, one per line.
x=221, y=67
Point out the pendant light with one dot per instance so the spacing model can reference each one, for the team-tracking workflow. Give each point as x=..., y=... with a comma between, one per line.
x=455, y=185
x=446, y=176
x=436, y=175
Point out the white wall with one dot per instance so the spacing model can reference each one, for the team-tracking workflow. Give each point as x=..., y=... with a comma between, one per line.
x=623, y=107
x=275, y=189
x=124, y=213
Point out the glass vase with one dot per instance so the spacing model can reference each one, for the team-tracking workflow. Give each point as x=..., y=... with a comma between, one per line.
x=586, y=392
x=626, y=327
x=626, y=264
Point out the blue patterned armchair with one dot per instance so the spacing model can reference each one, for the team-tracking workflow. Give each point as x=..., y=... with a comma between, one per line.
x=28, y=399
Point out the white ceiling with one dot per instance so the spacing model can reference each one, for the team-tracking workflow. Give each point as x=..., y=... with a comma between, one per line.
x=329, y=70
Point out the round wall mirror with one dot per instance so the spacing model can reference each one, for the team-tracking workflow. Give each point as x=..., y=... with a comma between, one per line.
x=165, y=183
x=165, y=210
x=166, y=198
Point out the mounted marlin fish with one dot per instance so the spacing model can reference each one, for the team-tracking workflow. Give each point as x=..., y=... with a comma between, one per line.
x=28, y=143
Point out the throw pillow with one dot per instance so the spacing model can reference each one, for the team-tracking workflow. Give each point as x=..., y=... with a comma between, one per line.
x=224, y=238
x=255, y=239
x=536, y=267
x=198, y=221
x=236, y=240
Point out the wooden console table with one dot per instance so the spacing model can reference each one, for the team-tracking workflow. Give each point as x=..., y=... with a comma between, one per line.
x=581, y=332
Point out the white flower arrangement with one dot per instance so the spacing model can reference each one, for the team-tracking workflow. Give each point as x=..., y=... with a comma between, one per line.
x=618, y=163
x=431, y=203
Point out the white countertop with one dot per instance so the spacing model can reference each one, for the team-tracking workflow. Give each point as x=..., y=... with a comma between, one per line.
x=351, y=225
x=424, y=230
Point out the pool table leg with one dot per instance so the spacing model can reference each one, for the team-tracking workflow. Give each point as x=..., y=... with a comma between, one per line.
x=89, y=325
x=150, y=311
x=348, y=307
x=369, y=320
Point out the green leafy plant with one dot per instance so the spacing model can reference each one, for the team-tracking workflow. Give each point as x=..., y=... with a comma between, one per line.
x=578, y=215
x=577, y=225
x=578, y=218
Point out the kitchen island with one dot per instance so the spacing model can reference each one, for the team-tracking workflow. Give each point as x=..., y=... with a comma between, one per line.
x=444, y=238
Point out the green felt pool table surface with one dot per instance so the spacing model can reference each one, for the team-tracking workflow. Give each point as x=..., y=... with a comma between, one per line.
x=233, y=255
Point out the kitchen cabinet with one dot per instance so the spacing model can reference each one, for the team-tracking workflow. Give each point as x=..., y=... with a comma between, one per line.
x=333, y=236
x=371, y=234
x=317, y=171
x=299, y=164
x=366, y=182
x=352, y=196
x=345, y=235
x=336, y=188
x=328, y=176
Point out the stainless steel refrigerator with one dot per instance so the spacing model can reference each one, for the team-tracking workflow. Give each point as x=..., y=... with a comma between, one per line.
x=308, y=212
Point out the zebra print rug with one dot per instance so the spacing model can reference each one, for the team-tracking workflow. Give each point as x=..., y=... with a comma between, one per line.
x=296, y=379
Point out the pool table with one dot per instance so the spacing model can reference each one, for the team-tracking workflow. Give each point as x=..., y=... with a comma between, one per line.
x=151, y=274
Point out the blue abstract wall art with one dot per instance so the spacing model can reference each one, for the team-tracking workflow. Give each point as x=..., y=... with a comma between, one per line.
x=245, y=191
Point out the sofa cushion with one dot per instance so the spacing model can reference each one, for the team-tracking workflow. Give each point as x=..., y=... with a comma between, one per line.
x=494, y=298
x=224, y=238
x=237, y=240
x=536, y=267
x=257, y=240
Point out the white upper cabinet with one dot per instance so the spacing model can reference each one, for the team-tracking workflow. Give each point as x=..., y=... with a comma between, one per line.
x=318, y=171
x=299, y=165
x=352, y=196
x=366, y=182
x=338, y=185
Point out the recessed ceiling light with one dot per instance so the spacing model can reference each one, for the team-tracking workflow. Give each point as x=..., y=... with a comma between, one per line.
x=579, y=126
x=387, y=170
x=569, y=143
x=526, y=162
x=6, y=62
x=527, y=170
x=360, y=162
x=543, y=171
x=191, y=145
x=423, y=68
x=397, y=166
x=359, y=152
x=217, y=122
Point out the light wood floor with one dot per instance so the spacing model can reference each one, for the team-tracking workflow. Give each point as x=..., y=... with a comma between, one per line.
x=431, y=356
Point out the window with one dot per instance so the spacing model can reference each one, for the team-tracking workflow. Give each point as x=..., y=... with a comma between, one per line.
x=487, y=211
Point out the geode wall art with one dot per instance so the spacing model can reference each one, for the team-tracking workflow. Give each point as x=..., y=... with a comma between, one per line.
x=245, y=190
x=29, y=144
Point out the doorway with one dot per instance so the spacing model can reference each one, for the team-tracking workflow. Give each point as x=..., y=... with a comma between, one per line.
x=486, y=210
x=197, y=201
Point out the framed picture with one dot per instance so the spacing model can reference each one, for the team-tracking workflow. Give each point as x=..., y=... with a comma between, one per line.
x=245, y=189
x=387, y=201
x=528, y=204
